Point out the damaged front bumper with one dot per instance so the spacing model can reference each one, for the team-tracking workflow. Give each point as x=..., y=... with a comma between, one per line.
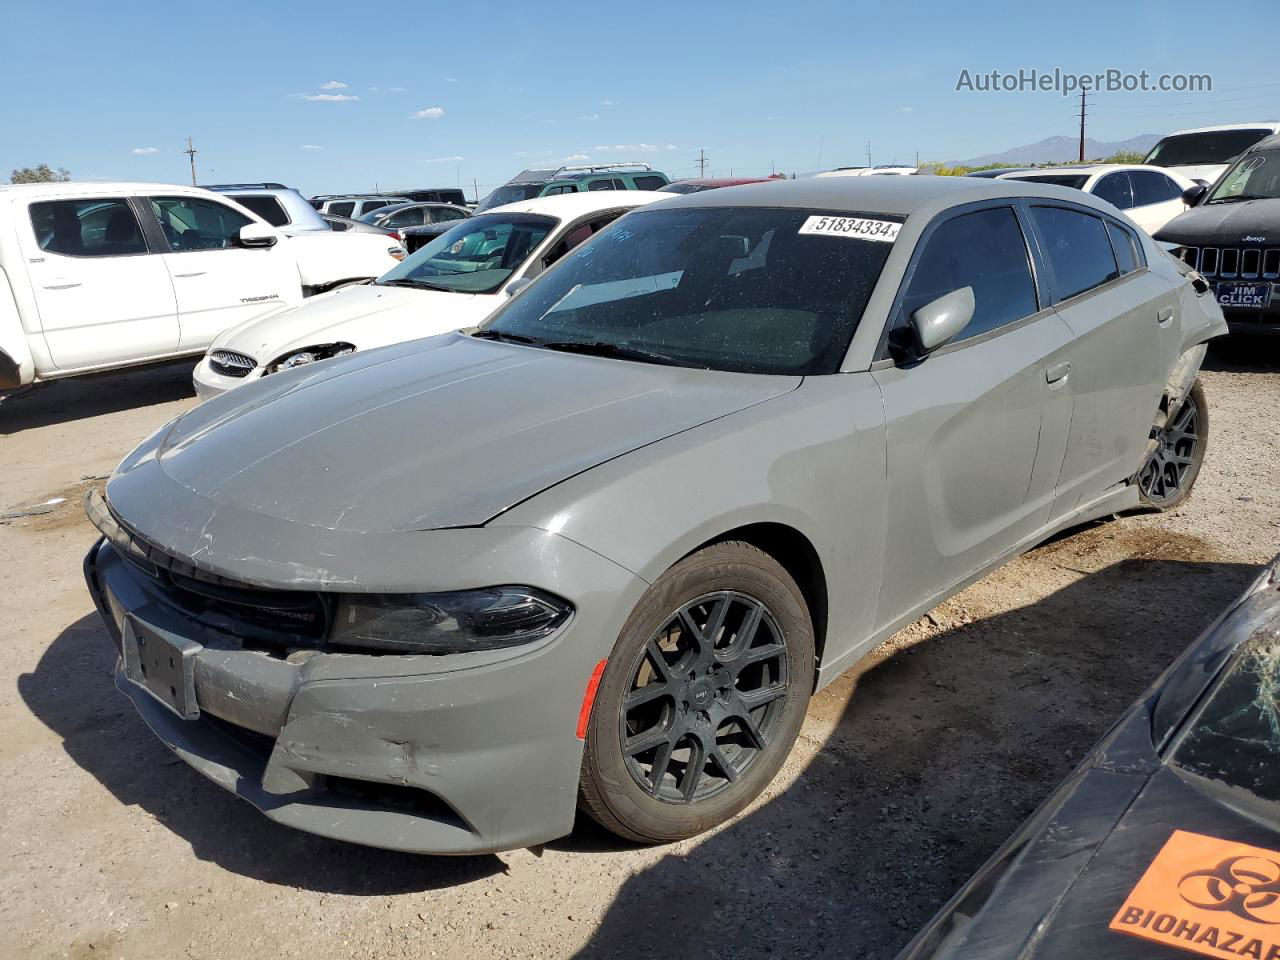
x=447, y=754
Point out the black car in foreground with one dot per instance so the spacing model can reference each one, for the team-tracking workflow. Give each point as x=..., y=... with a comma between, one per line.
x=1231, y=235
x=1165, y=841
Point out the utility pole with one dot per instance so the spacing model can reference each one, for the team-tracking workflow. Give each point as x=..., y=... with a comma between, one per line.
x=191, y=155
x=475, y=189
x=702, y=163
x=868, y=153
x=1082, y=126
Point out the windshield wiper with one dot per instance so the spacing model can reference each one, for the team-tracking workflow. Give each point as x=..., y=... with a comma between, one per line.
x=416, y=284
x=488, y=334
x=1240, y=198
x=600, y=348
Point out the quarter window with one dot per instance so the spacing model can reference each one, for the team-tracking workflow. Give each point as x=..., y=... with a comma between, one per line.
x=87, y=228
x=1078, y=249
x=1116, y=189
x=986, y=251
x=1125, y=245
x=193, y=223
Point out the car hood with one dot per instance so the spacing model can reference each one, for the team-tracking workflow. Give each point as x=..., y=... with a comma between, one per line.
x=444, y=432
x=1224, y=224
x=362, y=314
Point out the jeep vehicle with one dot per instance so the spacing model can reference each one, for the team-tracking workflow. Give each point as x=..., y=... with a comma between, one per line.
x=549, y=183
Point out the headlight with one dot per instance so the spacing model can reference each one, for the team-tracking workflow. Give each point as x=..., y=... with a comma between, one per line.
x=455, y=622
x=299, y=358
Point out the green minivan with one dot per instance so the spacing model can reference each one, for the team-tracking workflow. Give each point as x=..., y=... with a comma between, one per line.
x=547, y=183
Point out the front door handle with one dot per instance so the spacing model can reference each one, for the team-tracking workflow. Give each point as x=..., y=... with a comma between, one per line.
x=193, y=273
x=1058, y=371
x=1165, y=316
x=62, y=284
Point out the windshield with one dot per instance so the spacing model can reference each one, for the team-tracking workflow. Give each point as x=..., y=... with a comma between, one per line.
x=477, y=256
x=1255, y=177
x=738, y=289
x=511, y=193
x=1057, y=179
x=1191, y=149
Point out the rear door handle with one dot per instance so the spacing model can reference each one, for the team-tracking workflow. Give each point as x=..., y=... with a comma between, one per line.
x=1165, y=316
x=193, y=273
x=1058, y=371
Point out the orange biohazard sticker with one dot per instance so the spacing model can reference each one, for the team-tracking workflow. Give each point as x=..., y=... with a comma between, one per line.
x=1209, y=896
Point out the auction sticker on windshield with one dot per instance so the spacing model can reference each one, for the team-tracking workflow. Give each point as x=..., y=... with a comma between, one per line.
x=860, y=228
x=1208, y=896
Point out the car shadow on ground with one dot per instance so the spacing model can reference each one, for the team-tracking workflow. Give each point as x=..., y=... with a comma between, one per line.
x=71, y=690
x=78, y=398
x=945, y=749
x=912, y=784
x=1240, y=353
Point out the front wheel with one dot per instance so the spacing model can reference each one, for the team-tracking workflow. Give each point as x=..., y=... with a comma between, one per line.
x=1173, y=463
x=702, y=697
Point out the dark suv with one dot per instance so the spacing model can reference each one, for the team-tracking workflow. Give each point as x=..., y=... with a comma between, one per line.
x=547, y=183
x=1231, y=235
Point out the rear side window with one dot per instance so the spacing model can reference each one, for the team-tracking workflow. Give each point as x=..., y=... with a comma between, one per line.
x=368, y=205
x=193, y=223
x=87, y=228
x=342, y=208
x=606, y=185
x=1116, y=189
x=1125, y=245
x=986, y=251
x=1078, y=249
x=442, y=215
x=267, y=207
x=649, y=182
x=560, y=188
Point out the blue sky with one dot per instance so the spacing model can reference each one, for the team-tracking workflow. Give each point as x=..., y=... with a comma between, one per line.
x=445, y=92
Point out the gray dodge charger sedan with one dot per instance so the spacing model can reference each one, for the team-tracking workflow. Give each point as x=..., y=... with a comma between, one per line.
x=599, y=552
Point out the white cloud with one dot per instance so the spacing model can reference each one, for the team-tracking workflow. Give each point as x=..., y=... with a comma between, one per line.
x=445, y=160
x=311, y=146
x=333, y=85
x=606, y=103
x=576, y=158
x=450, y=79
x=145, y=151
x=590, y=116
x=329, y=97
x=430, y=113
x=396, y=89
x=907, y=110
x=633, y=148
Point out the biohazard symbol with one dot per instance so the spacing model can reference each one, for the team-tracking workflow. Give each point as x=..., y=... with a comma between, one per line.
x=1247, y=886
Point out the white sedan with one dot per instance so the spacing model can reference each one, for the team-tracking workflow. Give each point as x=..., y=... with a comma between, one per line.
x=454, y=281
x=1150, y=196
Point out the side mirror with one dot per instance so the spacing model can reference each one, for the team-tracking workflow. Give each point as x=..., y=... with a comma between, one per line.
x=257, y=235
x=1195, y=193
x=515, y=286
x=941, y=320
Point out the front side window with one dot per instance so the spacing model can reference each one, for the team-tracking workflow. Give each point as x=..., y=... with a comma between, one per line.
x=511, y=193
x=193, y=223
x=1194, y=149
x=737, y=289
x=1255, y=177
x=477, y=256
x=444, y=215
x=984, y=250
x=87, y=228
x=1150, y=187
x=1078, y=249
x=1116, y=189
x=265, y=206
x=412, y=217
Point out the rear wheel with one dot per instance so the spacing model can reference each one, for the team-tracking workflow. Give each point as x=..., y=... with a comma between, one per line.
x=1174, y=461
x=702, y=697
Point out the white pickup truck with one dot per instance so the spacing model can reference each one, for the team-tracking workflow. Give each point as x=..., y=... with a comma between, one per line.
x=95, y=276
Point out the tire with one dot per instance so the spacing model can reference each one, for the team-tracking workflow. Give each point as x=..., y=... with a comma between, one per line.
x=718, y=717
x=1178, y=447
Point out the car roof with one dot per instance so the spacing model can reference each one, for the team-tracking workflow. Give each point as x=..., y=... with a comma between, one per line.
x=570, y=205
x=1266, y=143
x=895, y=196
x=85, y=188
x=1273, y=124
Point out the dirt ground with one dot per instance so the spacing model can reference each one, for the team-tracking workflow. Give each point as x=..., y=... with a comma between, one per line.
x=905, y=779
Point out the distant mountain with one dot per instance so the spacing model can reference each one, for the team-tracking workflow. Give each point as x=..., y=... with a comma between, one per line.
x=1062, y=149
